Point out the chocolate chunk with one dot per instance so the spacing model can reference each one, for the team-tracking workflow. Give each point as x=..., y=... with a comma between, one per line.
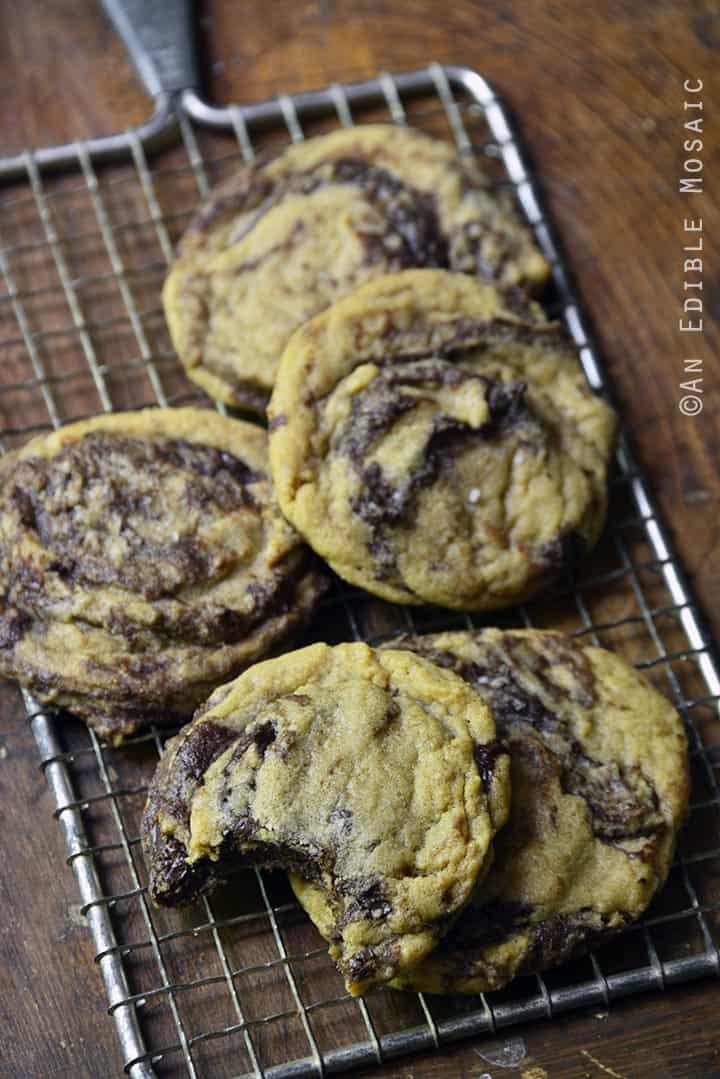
x=14, y=624
x=366, y=962
x=565, y=935
x=392, y=714
x=260, y=735
x=363, y=964
x=369, y=903
x=23, y=503
x=564, y=552
x=263, y=736
x=507, y=406
x=486, y=756
x=380, y=503
x=195, y=755
x=177, y=881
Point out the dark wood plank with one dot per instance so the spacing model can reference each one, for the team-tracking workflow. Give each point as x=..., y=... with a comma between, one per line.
x=52, y=1008
x=64, y=74
x=658, y=1036
x=599, y=92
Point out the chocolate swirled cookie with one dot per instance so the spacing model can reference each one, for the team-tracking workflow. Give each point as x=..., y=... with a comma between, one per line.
x=285, y=238
x=143, y=560
x=599, y=791
x=376, y=774
x=435, y=445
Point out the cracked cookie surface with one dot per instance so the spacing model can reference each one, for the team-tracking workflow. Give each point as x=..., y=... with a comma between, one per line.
x=364, y=770
x=284, y=238
x=435, y=445
x=599, y=790
x=143, y=560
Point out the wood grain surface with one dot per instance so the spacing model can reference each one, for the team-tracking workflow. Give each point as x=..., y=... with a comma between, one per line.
x=598, y=90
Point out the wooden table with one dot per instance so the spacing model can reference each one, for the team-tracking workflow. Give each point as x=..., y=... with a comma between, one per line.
x=599, y=90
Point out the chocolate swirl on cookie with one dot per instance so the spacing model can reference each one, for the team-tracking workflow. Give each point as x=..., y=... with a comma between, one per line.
x=374, y=410
x=513, y=673
x=285, y=238
x=438, y=446
x=412, y=235
x=142, y=562
x=599, y=791
x=357, y=769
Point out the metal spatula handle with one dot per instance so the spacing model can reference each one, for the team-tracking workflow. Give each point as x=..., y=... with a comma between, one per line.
x=158, y=37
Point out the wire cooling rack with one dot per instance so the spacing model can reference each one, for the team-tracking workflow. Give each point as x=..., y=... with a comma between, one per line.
x=240, y=984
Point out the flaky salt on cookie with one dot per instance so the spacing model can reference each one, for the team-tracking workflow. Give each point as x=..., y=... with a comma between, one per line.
x=437, y=443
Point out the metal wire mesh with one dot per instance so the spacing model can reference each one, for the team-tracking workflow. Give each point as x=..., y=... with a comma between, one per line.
x=241, y=984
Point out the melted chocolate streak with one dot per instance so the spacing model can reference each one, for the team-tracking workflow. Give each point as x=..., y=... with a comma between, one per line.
x=618, y=810
x=115, y=472
x=382, y=505
x=172, y=880
x=486, y=756
x=410, y=214
x=623, y=805
x=551, y=940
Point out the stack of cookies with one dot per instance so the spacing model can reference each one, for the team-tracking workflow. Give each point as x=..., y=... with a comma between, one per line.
x=453, y=809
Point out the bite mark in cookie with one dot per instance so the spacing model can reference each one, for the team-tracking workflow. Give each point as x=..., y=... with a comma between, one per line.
x=357, y=769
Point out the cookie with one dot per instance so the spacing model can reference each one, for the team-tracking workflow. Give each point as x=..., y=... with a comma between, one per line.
x=599, y=790
x=143, y=561
x=436, y=445
x=376, y=774
x=285, y=238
